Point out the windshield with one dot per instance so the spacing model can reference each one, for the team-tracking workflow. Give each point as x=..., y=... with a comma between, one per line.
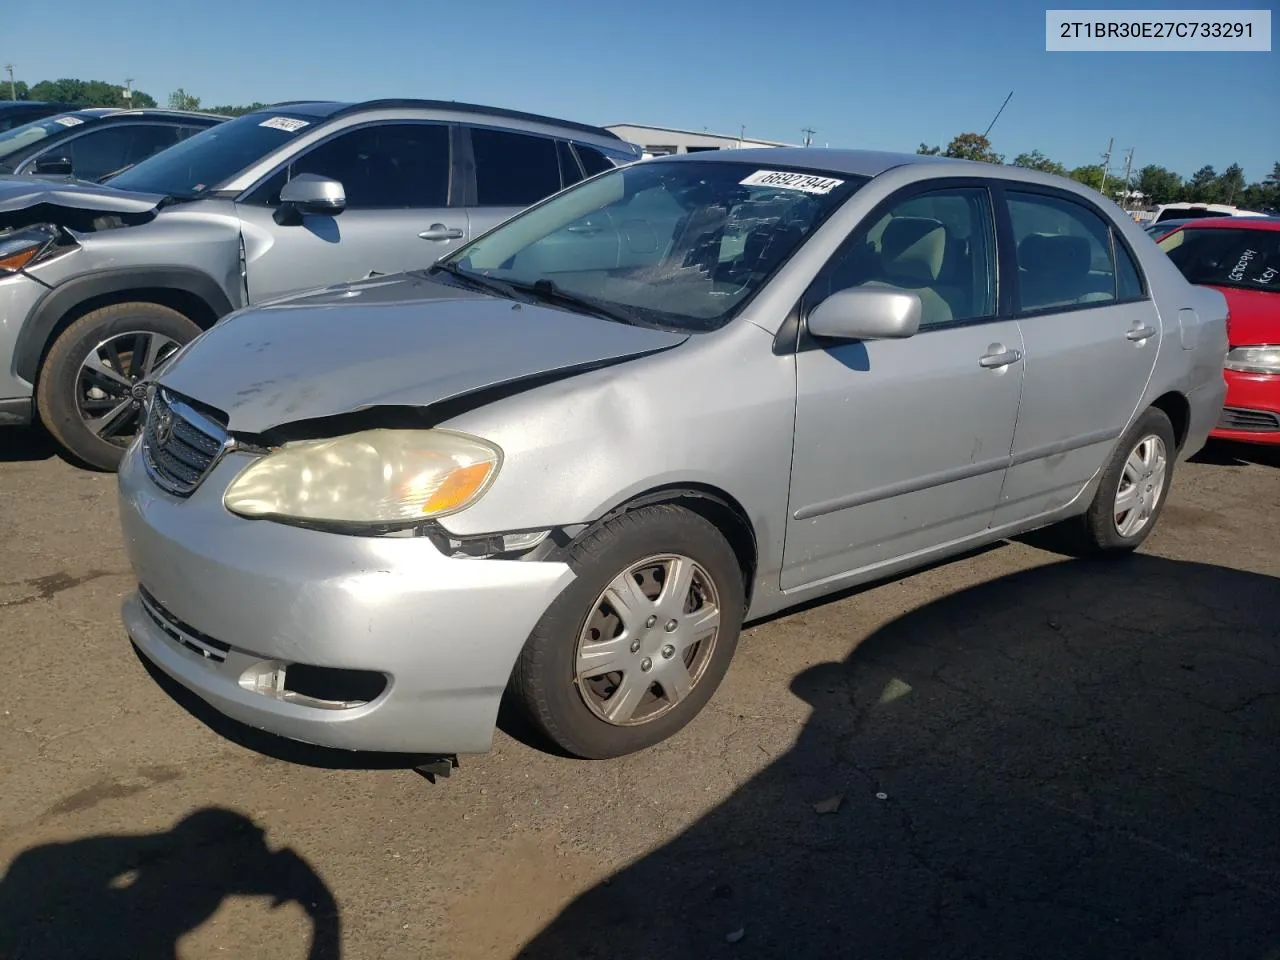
x=1248, y=259
x=15, y=138
x=210, y=157
x=669, y=243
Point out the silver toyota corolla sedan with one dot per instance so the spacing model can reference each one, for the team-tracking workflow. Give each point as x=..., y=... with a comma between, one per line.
x=572, y=458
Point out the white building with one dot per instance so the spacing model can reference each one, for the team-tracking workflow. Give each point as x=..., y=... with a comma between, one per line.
x=662, y=141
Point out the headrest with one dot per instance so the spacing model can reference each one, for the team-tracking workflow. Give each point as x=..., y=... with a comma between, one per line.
x=1049, y=253
x=911, y=250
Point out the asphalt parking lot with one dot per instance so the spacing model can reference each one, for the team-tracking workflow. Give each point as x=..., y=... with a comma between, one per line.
x=1015, y=754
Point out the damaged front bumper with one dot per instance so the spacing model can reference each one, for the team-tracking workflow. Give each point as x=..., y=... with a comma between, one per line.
x=360, y=643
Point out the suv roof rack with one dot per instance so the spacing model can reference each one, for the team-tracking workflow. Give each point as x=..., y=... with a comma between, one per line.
x=475, y=108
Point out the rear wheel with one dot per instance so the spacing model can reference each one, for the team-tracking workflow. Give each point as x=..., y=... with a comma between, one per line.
x=1134, y=486
x=638, y=643
x=85, y=393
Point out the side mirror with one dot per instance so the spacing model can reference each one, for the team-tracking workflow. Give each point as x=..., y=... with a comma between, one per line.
x=53, y=164
x=866, y=313
x=312, y=193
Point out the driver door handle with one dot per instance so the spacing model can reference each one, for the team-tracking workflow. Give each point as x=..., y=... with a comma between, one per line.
x=1001, y=359
x=1141, y=333
x=438, y=231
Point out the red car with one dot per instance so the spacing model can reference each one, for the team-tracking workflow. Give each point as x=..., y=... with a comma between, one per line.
x=1241, y=257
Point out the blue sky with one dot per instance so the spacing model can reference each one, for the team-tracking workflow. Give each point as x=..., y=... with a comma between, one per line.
x=883, y=75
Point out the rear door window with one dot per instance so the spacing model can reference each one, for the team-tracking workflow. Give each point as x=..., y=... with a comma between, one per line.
x=513, y=169
x=1063, y=251
x=593, y=161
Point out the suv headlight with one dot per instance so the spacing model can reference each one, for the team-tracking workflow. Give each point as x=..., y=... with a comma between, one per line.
x=1260, y=359
x=372, y=478
x=24, y=247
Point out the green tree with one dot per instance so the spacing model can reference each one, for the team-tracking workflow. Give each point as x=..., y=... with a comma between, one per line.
x=1203, y=186
x=927, y=150
x=1035, y=160
x=972, y=146
x=88, y=93
x=231, y=111
x=1231, y=184
x=1159, y=185
x=17, y=91
x=1090, y=175
x=181, y=100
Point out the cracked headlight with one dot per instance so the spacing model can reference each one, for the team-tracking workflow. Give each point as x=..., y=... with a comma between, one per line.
x=21, y=248
x=372, y=478
x=1262, y=359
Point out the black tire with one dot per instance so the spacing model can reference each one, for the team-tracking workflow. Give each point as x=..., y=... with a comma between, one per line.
x=543, y=682
x=1097, y=528
x=58, y=386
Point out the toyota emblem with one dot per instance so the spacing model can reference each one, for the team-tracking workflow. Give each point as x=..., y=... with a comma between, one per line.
x=164, y=426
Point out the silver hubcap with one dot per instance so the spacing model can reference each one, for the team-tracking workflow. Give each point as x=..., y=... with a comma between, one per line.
x=1141, y=486
x=648, y=640
x=104, y=386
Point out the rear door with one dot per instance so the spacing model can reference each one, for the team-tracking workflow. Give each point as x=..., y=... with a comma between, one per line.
x=399, y=216
x=507, y=171
x=1091, y=333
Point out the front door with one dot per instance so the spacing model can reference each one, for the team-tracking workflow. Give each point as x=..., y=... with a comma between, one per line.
x=1091, y=334
x=398, y=217
x=902, y=445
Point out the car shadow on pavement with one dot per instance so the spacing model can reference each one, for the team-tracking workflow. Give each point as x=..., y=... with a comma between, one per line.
x=1077, y=760
x=136, y=895
x=1224, y=454
x=20, y=444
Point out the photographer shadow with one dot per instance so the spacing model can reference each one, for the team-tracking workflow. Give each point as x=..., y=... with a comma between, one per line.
x=135, y=896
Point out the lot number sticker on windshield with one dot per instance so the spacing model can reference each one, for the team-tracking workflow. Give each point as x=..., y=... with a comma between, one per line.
x=69, y=121
x=791, y=181
x=287, y=124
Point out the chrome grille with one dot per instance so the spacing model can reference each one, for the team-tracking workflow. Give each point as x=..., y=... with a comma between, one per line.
x=177, y=631
x=1258, y=421
x=179, y=444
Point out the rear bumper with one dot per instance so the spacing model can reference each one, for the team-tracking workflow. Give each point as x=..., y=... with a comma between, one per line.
x=228, y=602
x=1252, y=410
x=1206, y=409
x=16, y=413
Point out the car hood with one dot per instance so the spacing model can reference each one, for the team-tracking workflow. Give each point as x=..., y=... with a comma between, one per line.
x=1254, y=316
x=396, y=341
x=20, y=193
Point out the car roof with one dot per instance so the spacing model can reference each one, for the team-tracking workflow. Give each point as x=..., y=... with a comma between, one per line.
x=328, y=109
x=864, y=163
x=1234, y=223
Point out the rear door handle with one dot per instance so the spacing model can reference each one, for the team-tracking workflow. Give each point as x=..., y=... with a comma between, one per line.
x=1001, y=359
x=1141, y=333
x=438, y=231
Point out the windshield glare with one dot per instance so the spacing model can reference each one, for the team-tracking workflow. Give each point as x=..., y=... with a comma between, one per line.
x=672, y=243
x=1248, y=259
x=207, y=159
x=16, y=138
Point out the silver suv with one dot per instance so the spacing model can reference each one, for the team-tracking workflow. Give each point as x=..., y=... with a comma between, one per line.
x=101, y=283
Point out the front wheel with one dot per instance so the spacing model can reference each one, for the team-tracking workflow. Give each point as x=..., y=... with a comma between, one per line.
x=638, y=643
x=85, y=392
x=1134, y=486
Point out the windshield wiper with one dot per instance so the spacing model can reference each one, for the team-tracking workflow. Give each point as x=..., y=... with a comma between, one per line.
x=477, y=281
x=115, y=173
x=547, y=292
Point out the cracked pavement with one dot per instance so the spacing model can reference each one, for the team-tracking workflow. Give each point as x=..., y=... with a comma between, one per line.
x=1035, y=756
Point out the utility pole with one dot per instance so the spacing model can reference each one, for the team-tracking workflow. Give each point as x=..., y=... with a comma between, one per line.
x=742, y=133
x=13, y=90
x=1106, y=165
x=808, y=135
x=128, y=90
x=1128, y=169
